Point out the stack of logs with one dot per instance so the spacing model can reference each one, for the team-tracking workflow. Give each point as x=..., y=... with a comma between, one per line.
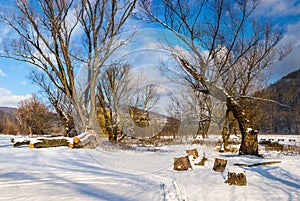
x=84, y=140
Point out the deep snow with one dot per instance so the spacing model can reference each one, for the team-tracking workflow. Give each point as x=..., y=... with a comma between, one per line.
x=114, y=174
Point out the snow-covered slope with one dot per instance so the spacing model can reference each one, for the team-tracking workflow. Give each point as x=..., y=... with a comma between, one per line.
x=112, y=174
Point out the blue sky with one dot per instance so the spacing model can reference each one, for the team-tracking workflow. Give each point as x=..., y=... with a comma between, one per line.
x=15, y=85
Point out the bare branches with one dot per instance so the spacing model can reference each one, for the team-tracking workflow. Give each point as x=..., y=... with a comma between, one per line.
x=266, y=100
x=60, y=37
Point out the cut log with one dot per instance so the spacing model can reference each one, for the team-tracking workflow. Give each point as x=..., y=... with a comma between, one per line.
x=257, y=164
x=182, y=163
x=46, y=143
x=219, y=165
x=85, y=140
x=202, y=162
x=21, y=143
x=193, y=152
x=237, y=179
x=76, y=140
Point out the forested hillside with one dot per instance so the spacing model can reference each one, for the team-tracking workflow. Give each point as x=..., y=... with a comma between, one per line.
x=284, y=117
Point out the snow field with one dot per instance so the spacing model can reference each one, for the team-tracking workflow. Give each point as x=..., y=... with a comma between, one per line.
x=112, y=174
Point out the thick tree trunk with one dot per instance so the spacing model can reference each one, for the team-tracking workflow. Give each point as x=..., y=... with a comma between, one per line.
x=249, y=144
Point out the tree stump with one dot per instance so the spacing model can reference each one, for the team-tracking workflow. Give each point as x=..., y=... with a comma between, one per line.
x=182, y=163
x=237, y=179
x=192, y=152
x=219, y=165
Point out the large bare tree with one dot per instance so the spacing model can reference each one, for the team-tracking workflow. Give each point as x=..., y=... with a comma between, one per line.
x=59, y=37
x=227, y=48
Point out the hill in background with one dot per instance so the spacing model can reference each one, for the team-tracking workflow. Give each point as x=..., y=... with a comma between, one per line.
x=276, y=118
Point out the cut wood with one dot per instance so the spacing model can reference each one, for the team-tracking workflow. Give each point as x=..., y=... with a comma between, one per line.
x=46, y=143
x=237, y=179
x=257, y=164
x=20, y=143
x=182, y=163
x=76, y=140
x=219, y=165
x=202, y=162
x=192, y=152
x=84, y=140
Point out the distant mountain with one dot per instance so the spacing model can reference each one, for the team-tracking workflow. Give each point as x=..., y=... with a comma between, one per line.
x=282, y=119
x=8, y=109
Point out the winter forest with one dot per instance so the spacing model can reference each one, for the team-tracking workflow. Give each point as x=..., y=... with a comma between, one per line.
x=149, y=100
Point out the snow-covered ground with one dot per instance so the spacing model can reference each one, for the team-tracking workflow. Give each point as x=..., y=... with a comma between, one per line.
x=114, y=174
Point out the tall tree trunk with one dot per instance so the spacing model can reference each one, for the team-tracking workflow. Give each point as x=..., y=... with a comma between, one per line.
x=249, y=144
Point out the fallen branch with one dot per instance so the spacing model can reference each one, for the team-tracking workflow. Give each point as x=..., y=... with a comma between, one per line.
x=257, y=164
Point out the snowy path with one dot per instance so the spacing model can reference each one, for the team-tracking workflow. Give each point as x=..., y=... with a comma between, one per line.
x=102, y=174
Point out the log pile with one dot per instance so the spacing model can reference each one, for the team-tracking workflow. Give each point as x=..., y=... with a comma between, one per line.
x=84, y=140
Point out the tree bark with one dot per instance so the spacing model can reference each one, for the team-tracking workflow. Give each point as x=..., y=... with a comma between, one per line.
x=249, y=144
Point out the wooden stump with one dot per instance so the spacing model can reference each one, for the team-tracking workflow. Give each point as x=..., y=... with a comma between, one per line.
x=193, y=152
x=182, y=163
x=219, y=165
x=237, y=179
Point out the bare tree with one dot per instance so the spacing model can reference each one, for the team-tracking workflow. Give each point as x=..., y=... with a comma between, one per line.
x=34, y=117
x=58, y=100
x=119, y=91
x=59, y=37
x=113, y=88
x=222, y=37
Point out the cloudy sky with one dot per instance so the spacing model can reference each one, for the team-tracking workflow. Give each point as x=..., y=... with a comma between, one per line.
x=15, y=85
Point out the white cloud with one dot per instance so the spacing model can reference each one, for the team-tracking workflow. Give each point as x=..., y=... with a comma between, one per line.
x=24, y=83
x=292, y=34
x=8, y=99
x=280, y=7
x=2, y=73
